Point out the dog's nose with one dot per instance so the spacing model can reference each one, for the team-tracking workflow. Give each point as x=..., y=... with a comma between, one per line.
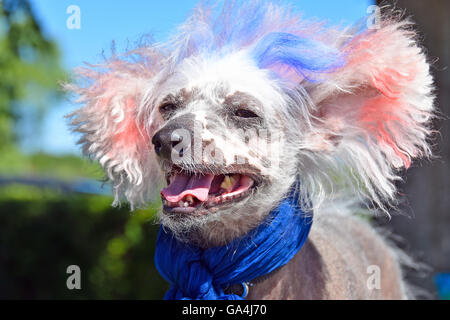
x=156, y=140
x=164, y=140
x=173, y=133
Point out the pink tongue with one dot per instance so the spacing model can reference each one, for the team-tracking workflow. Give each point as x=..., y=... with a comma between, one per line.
x=183, y=185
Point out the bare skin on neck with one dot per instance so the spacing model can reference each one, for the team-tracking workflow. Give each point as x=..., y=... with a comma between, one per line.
x=333, y=264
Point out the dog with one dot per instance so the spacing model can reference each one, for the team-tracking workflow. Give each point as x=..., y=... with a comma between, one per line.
x=248, y=101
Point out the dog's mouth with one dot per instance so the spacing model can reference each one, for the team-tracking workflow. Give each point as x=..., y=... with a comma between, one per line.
x=191, y=192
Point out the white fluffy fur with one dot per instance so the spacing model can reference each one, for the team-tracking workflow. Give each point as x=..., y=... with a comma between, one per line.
x=332, y=136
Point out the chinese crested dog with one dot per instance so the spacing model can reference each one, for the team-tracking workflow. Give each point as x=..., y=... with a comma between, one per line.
x=247, y=103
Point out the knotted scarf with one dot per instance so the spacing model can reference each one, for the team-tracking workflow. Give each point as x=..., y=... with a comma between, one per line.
x=202, y=274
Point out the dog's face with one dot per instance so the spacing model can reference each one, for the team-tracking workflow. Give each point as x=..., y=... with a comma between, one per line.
x=240, y=106
x=222, y=145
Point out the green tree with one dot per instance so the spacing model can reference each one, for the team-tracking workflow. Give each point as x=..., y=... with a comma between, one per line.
x=44, y=229
x=30, y=67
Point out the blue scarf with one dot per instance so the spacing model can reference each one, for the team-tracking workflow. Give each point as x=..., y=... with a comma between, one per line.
x=202, y=274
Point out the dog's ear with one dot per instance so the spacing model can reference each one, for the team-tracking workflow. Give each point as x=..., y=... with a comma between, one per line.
x=374, y=113
x=111, y=130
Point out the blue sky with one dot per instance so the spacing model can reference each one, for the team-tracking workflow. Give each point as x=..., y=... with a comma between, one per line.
x=103, y=21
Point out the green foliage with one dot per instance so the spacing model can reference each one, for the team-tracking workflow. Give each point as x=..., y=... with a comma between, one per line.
x=29, y=65
x=65, y=167
x=42, y=232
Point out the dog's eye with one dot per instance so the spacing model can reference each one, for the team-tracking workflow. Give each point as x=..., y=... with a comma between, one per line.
x=167, y=108
x=245, y=113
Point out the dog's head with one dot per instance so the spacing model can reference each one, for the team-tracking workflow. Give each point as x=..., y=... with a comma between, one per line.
x=241, y=107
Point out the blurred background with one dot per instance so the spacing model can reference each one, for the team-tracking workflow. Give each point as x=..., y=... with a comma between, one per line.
x=56, y=212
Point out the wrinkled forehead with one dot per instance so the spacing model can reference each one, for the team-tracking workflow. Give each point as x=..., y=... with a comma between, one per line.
x=207, y=82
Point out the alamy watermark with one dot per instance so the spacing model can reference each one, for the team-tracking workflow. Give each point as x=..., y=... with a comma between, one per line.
x=74, y=280
x=374, y=19
x=74, y=20
x=374, y=279
x=244, y=146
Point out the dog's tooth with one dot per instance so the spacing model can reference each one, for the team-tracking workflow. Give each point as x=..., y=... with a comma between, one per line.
x=186, y=204
x=180, y=204
x=228, y=182
x=225, y=183
x=189, y=199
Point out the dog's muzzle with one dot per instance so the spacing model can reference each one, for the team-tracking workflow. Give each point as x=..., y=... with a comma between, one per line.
x=206, y=187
